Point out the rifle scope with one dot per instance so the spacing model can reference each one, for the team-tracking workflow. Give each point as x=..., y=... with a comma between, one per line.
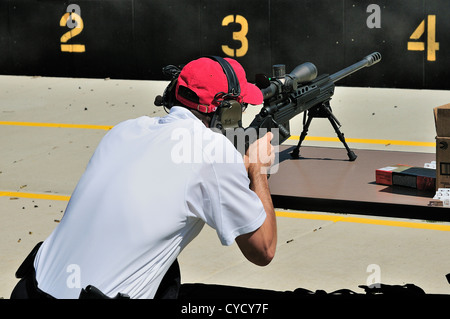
x=303, y=73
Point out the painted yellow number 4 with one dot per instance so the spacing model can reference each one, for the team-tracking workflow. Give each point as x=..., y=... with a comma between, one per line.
x=238, y=36
x=432, y=45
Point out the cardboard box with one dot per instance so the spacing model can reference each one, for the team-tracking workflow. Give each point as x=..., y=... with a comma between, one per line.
x=442, y=122
x=383, y=175
x=442, y=162
x=404, y=175
x=420, y=178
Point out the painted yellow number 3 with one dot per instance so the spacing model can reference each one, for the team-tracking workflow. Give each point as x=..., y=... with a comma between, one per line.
x=432, y=45
x=238, y=36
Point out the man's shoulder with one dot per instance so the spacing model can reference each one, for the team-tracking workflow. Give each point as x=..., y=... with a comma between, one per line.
x=220, y=150
x=128, y=123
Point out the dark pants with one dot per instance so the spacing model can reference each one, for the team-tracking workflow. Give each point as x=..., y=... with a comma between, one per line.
x=170, y=284
x=27, y=287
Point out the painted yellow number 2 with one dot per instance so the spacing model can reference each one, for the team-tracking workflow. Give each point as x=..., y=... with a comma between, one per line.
x=77, y=27
x=238, y=36
x=432, y=45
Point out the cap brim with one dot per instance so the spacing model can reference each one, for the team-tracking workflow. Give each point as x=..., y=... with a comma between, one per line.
x=253, y=95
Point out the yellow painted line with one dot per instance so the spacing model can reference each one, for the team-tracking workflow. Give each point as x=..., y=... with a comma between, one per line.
x=332, y=218
x=35, y=196
x=58, y=125
x=295, y=137
x=366, y=141
x=361, y=220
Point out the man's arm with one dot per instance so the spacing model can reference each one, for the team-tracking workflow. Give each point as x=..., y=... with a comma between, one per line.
x=259, y=246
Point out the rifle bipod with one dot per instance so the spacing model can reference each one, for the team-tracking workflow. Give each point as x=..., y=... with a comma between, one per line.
x=322, y=111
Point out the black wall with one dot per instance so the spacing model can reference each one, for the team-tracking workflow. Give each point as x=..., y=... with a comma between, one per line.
x=134, y=39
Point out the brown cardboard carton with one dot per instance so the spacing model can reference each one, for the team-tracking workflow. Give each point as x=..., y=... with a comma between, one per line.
x=442, y=162
x=442, y=122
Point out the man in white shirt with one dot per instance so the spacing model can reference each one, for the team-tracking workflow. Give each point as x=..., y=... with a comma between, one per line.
x=147, y=191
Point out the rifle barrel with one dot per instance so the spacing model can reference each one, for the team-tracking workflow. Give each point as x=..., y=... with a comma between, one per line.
x=369, y=60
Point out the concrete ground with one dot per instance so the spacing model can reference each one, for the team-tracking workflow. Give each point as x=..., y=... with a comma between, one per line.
x=40, y=164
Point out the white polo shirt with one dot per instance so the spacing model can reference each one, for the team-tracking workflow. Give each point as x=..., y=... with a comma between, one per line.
x=147, y=191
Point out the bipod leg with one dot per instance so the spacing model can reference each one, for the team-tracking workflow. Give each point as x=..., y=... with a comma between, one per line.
x=351, y=155
x=296, y=152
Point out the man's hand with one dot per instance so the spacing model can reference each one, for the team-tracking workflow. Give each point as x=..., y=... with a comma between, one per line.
x=260, y=155
x=259, y=246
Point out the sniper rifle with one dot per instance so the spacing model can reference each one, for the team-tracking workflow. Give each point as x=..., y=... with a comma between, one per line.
x=287, y=95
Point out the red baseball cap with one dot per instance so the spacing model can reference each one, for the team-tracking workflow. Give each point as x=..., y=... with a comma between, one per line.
x=205, y=77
